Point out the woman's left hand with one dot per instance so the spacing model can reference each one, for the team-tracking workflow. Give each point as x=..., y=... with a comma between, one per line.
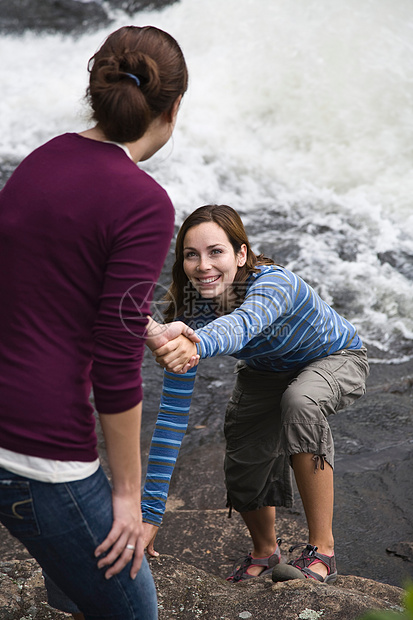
x=149, y=534
x=178, y=355
x=125, y=541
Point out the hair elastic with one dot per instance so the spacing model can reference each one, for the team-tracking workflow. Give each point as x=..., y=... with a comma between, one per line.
x=133, y=77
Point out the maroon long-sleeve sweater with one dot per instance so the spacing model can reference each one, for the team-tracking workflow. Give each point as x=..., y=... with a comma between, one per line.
x=83, y=236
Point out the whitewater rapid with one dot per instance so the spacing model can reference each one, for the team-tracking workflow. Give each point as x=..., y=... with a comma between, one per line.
x=299, y=114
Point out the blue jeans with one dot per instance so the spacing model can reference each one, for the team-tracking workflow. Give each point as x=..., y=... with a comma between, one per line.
x=61, y=525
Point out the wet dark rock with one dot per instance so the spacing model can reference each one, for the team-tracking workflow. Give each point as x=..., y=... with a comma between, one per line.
x=132, y=6
x=7, y=168
x=282, y=252
x=51, y=15
x=346, y=300
x=400, y=260
x=403, y=550
x=348, y=250
x=67, y=16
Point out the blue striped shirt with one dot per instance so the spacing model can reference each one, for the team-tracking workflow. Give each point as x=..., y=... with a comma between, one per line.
x=282, y=324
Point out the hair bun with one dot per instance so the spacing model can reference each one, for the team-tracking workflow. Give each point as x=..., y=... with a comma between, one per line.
x=145, y=68
x=125, y=107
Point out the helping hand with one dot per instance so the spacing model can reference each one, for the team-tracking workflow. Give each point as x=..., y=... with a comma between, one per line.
x=159, y=334
x=178, y=355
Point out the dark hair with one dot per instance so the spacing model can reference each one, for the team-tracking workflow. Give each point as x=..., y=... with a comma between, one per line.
x=122, y=109
x=229, y=220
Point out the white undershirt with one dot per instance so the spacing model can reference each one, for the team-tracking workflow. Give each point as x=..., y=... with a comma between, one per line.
x=122, y=146
x=46, y=470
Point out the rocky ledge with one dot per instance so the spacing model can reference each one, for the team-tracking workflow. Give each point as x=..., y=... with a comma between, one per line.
x=191, y=582
x=186, y=592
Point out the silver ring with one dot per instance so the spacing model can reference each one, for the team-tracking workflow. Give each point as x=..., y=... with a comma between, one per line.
x=131, y=547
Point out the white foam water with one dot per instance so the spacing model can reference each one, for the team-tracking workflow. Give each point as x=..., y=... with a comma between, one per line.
x=299, y=114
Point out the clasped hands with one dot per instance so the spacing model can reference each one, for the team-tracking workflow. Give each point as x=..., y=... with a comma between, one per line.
x=173, y=345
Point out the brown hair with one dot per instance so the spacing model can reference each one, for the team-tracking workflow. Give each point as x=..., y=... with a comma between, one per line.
x=122, y=108
x=229, y=220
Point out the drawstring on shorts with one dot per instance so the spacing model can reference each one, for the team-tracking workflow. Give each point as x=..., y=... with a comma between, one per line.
x=229, y=506
x=319, y=460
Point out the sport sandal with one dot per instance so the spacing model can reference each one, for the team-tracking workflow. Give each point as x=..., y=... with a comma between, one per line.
x=240, y=570
x=301, y=566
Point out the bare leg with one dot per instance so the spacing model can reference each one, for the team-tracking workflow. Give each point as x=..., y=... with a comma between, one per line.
x=260, y=524
x=78, y=617
x=317, y=493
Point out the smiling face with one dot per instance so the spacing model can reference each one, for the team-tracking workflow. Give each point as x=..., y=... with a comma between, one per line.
x=210, y=262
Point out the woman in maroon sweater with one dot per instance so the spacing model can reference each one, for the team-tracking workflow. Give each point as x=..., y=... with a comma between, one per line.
x=84, y=231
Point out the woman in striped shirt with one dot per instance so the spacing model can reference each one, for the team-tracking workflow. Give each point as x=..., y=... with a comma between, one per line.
x=299, y=361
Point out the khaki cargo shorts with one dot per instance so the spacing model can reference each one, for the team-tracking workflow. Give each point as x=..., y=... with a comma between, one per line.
x=273, y=415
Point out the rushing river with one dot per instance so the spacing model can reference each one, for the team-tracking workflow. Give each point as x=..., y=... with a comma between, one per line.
x=299, y=114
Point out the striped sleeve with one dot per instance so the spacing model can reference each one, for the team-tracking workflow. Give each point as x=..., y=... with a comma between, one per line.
x=267, y=299
x=169, y=431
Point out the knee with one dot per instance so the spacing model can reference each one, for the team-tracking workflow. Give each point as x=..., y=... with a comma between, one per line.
x=296, y=407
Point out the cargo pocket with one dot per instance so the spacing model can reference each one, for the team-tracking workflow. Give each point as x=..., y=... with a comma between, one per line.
x=345, y=372
x=16, y=509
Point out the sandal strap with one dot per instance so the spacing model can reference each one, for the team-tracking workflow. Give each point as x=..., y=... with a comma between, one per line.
x=240, y=570
x=310, y=556
x=312, y=574
x=260, y=561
